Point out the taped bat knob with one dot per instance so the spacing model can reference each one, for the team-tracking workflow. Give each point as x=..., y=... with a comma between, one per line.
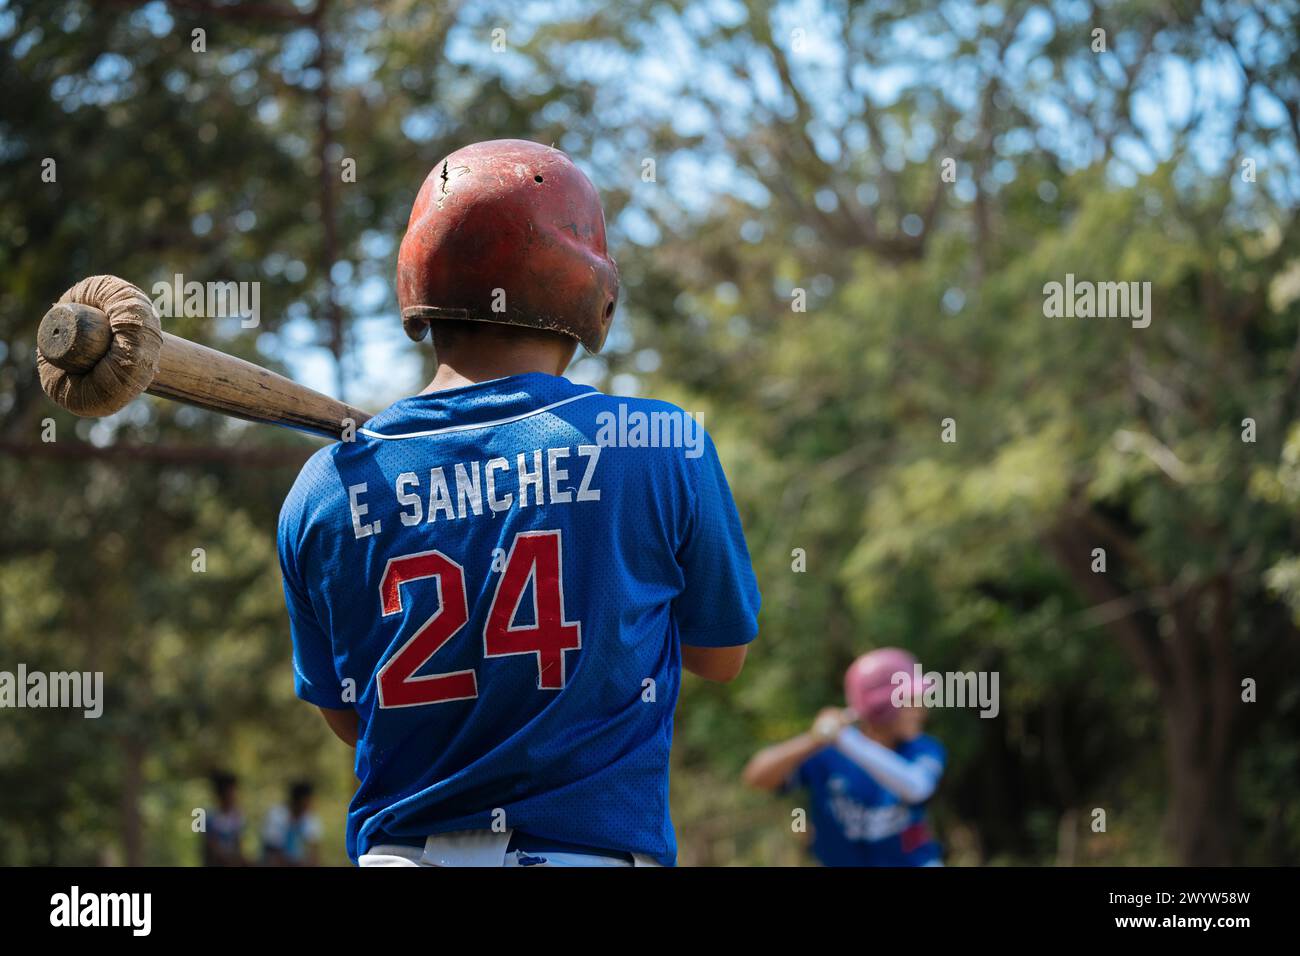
x=74, y=337
x=98, y=347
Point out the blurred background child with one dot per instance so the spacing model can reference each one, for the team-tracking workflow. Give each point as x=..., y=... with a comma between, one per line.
x=224, y=826
x=291, y=834
x=869, y=768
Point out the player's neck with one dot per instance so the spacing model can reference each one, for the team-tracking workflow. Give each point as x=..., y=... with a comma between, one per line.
x=880, y=735
x=456, y=376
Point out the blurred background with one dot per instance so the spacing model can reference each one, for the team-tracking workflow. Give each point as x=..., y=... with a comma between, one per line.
x=913, y=174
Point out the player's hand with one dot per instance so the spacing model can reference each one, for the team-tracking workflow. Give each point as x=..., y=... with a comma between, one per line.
x=830, y=722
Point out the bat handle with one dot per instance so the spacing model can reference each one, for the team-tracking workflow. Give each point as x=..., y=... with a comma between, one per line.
x=74, y=337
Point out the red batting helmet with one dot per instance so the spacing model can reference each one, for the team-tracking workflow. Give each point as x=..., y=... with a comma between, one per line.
x=511, y=232
x=869, y=683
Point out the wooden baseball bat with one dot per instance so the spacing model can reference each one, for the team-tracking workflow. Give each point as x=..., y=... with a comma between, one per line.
x=76, y=337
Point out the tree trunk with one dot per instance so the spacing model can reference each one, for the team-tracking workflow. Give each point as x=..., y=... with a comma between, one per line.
x=1201, y=760
x=1201, y=711
x=132, y=785
x=1193, y=668
x=1202, y=803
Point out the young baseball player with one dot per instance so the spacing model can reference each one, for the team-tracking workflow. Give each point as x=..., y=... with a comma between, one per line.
x=494, y=588
x=869, y=769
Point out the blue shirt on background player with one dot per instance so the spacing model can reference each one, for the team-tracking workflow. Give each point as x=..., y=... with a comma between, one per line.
x=858, y=822
x=499, y=579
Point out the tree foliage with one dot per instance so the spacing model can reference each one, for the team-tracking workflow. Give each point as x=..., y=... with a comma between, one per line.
x=914, y=175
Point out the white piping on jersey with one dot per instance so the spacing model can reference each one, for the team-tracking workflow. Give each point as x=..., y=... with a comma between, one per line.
x=464, y=428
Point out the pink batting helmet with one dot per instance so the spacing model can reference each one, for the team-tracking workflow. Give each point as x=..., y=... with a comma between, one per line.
x=869, y=683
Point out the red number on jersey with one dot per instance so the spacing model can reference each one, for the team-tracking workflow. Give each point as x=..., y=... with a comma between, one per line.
x=397, y=685
x=534, y=555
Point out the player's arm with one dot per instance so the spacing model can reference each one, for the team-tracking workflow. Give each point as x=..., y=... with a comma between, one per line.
x=344, y=723
x=717, y=610
x=315, y=679
x=913, y=781
x=720, y=664
x=771, y=767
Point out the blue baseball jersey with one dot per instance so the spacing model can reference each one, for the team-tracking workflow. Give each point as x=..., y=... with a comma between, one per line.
x=498, y=579
x=857, y=822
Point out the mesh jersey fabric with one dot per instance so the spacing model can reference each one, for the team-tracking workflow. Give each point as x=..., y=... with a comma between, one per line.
x=498, y=579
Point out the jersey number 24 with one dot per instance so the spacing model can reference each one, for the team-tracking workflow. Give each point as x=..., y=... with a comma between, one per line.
x=535, y=556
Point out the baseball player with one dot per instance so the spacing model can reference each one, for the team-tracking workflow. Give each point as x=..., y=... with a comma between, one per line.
x=869, y=769
x=494, y=588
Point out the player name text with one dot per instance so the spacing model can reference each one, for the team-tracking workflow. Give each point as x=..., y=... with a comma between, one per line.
x=549, y=476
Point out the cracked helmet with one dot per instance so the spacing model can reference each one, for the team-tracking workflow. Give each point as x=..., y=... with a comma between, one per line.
x=511, y=232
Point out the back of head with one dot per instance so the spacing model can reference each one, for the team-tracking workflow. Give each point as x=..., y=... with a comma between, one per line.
x=224, y=783
x=300, y=793
x=508, y=232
